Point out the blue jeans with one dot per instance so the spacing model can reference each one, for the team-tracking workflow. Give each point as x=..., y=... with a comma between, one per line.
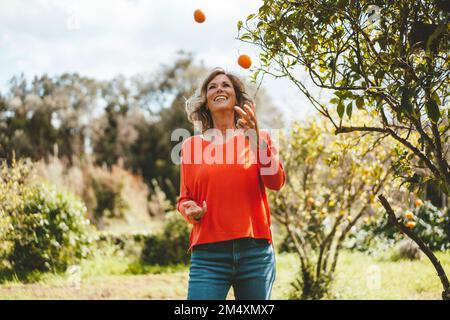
x=246, y=264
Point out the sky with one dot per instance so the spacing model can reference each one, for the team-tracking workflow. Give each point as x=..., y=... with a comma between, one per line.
x=104, y=38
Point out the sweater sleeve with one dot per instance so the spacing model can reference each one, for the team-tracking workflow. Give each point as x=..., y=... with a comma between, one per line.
x=185, y=194
x=271, y=169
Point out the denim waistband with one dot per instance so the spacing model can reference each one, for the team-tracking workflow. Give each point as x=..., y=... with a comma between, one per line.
x=229, y=243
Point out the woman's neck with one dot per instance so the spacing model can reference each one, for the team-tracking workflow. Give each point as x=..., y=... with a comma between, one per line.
x=224, y=124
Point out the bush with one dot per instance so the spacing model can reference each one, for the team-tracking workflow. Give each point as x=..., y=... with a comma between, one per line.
x=167, y=247
x=46, y=229
x=432, y=226
x=307, y=286
x=110, y=202
x=170, y=246
x=406, y=249
x=116, y=199
x=127, y=244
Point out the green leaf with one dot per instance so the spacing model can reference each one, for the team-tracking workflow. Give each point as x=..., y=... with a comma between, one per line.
x=349, y=110
x=246, y=37
x=250, y=16
x=436, y=98
x=340, y=109
x=379, y=74
x=406, y=105
x=432, y=110
x=360, y=103
x=239, y=25
x=334, y=100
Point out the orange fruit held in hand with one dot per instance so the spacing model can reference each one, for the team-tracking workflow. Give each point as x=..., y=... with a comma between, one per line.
x=199, y=16
x=244, y=61
x=409, y=215
x=410, y=224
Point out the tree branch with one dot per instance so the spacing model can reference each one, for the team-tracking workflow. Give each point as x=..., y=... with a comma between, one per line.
x=423, y=247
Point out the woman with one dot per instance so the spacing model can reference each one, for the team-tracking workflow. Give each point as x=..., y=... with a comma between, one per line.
x=222, y=193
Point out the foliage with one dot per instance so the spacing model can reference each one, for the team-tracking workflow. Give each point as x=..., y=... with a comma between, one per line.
x=109, y=195
x=132, y=119
x=164, y=248
x=407, y=250
x=115, y=198
x=47, y=228
x=308, y=287
x=35, y=116
x=168, y=247
x=331, y=184
x=431, y=224
x=388, y=57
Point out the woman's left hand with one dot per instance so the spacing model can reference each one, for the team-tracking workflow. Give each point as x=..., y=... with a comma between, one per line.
x=248, y=121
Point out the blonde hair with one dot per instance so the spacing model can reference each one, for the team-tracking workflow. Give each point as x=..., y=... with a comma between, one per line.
x=197, y=112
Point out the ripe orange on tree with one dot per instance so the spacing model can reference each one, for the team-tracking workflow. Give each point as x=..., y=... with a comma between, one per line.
x=409, y=215
x=410, y=224
x=199, y=16
x=418, y=203
x=244, y=61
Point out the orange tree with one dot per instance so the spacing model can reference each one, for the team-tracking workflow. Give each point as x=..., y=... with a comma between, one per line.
x=390, y=57
x=331, y=183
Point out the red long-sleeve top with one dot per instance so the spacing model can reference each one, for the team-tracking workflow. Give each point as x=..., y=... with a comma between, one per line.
x=232, y=181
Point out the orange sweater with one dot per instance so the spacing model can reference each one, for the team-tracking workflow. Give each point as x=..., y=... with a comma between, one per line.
x=233, y=184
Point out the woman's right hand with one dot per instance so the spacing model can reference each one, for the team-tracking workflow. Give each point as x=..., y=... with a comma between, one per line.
x=193, y=211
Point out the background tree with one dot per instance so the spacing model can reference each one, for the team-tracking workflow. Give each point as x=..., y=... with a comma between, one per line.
x=125, y=119
x=34, y=117
x=331, y=183
x=390, y=57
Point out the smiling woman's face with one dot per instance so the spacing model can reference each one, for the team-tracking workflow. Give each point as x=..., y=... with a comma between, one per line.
x=220, y=94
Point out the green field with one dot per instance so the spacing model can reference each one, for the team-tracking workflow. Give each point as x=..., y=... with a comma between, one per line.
x=115, y=277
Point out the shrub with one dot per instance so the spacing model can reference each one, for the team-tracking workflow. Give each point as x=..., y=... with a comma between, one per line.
x=307, y=286
x=167, y=247
x=116, y=199
x=431, y=225
x=406, y=249
x=170, y=246
x=46, y=229
x=127, y=244
x=110, y=203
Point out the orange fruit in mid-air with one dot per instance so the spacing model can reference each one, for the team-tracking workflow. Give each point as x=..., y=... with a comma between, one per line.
x=199, y=16
x=409, y=215
x=244, y=61
x=410, y=224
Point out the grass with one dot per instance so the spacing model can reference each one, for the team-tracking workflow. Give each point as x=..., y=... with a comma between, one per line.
x=363, y=277
x=109, y=276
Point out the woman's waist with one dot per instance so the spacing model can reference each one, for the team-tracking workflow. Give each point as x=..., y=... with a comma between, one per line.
x=232, y=243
